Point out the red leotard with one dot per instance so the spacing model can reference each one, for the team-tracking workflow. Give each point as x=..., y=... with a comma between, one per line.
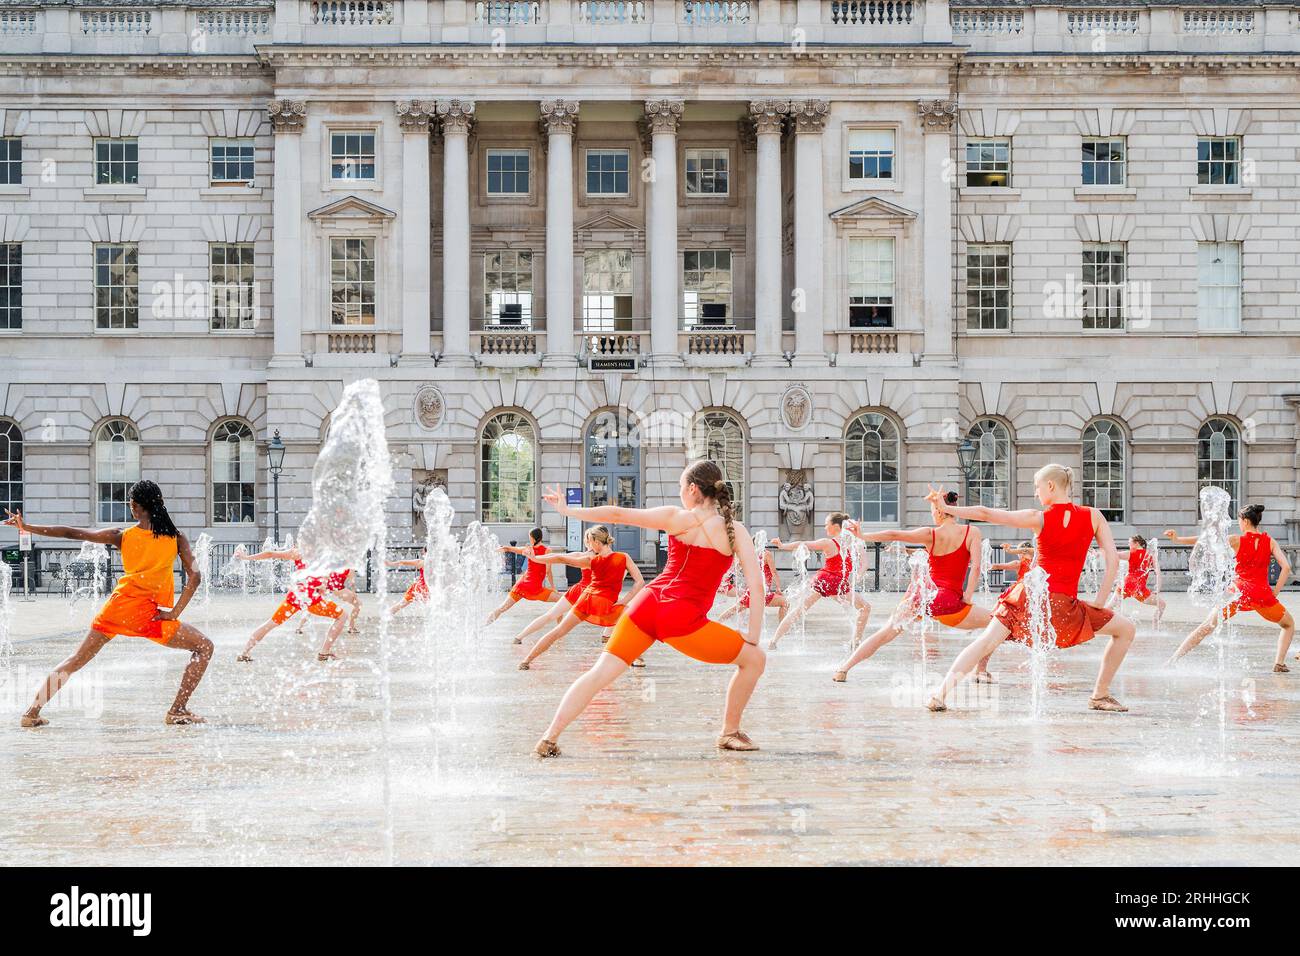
x=769, y=588
x=677, y=602
x=531, y=585
x=948, y=572
x=419, y=590
x=1139, y=567
x=575, y=592
x=1254, y=553
x=599, y=602
x=337, y=580
x=312, y=588
x=834, y=577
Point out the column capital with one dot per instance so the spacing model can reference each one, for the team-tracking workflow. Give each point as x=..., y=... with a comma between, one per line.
x=559, y=116
x=287, y=116
x=456, y=116
x=414, y=115
x=936, y=115
x=664, y=115
x=768, y=116
x=809, y=116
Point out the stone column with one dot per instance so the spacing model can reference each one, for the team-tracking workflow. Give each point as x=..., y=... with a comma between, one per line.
x=768, y=117
x=1293, y=519
x=937, y=118
x=559, y=117
x=663, y=117
x=413, y=116
x=809, y=120
x=456, y=116
x=287, y=119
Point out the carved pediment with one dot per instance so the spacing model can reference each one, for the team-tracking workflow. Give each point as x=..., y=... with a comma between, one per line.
x=352, y=208
x=872, y=209
x=608, y=225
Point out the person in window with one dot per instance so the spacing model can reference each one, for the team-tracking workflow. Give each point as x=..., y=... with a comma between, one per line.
x=834, y=580
x=1254, y=550
x=143, y=604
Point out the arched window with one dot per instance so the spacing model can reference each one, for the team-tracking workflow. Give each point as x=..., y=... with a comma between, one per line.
x=1218, y=458
x=1105, y=461
x=11, y=467
x=509, y=454
x=991, y=484
x=719, y=437
x=234, y=473
x=871, y=454
x=117, y=468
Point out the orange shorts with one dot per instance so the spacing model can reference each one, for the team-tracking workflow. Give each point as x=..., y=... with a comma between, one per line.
x=125, y=615
x=955, y=618
x=1270, y=612
x=542, y=593
x=289, y=607
x=713, y=643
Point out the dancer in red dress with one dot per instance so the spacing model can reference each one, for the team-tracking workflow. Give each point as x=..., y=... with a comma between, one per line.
x=1135, y=584
x=1024, y=560
x=307, y=594
x=834, y=580
x=1255, y=550
x=954, y=554
x=419, y=589
x=598, y=604
x=537, y=583
x=702, y=539
x=336, y=585
x=772, y=596
x=1063, y=533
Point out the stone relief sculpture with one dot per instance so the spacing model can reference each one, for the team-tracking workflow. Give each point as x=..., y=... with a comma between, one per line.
x=795, y=504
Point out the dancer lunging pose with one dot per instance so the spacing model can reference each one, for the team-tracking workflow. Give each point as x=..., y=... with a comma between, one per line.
x=309, y=594
x=142, y=604
x=954, y=555
x=419, y=589
x=1064, y=531
x=537, y=583
x=772, y=596
x=702, y=538
x=336, y=585
x=554, y=614
x=1135, y=581
x=1254, y=550
x=598, y=603
x=834, y=580
x=1024, y=558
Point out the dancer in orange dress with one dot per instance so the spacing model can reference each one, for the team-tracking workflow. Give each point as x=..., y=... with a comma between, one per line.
x=419, y=589
x=1135, y=583
x=537, y=583
x=1063, y=533
x=834, y=580
x=143, y=603
x=954, y=553
x=306, y=594
x=553, y=615
x=598, y=604
x=336, y=585
x=1255, y=550
x=702, y=539
x=772, y=594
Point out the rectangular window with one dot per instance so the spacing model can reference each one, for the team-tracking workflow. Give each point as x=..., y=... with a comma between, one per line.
x=871, y=155
x=871, y=283
x=1103, y=162
x=988, y=162
x=607, y=172
x=352, y=155
x=988, y=287
x=231, y=160
x=117, y=285
x=352, y=281
x=1105, y=274
x=607, y=290
x=230, y=275
x=1218, y=286
x=508, y=287
x=707, y=172
x=117, y=162
x=11, y=161
x=11, y=287
x=1218, y=161
x=507, y=172
x=706, y=278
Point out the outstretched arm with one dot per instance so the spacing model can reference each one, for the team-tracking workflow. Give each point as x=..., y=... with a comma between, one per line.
x=824, y=545
x=109, y=536
x=268, y=556
x=578, y=559
x=909, y=536
x=405, y=563
x=665, y=518
x=1177, y=538
x=1028, y=518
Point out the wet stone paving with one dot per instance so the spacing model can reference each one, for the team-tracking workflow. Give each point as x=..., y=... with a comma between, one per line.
x=298, y=764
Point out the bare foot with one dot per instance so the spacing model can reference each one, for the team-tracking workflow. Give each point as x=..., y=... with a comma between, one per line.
x=517, y=640
x=33, y=720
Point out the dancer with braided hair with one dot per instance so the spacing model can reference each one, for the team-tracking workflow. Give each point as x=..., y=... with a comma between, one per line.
x=703, y=537
x=142, y=604
x=834, y=580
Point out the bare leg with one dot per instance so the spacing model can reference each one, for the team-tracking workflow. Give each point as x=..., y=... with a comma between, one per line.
x=788, y=622
x=977, y=650
x=1121, y=631
x=1287, y=625
x=200, y=648
x=1198, y=635
x=550, y=637
x=398, y=606
x=90, y=645
x=729, y=612
x=868, y=647
x=604, y=672
x=352, y=599
x=750, y=664
x=256, y=638
x=864, y=615
x=782, y=607
x=539, y=622
x=335, y=630
x=505, y=605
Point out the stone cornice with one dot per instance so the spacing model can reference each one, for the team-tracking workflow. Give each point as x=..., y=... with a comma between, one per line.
x=45, y=64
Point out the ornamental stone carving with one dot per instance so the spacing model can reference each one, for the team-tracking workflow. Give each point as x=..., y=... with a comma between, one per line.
x=429, y=407
x=456, y=116
x=413, y=116
x=809, y=116
x=768, y=116
x=796, y=407
x=664, y=115
x=287, y=116
x=559, y=116
x=937, y=114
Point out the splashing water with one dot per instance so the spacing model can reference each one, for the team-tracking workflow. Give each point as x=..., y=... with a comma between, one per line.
x=480, y=567
x=6, y=609
x=894, y=573
x=94, y=557
x=854, y=553
x=798, y=594
x=203, y=564
x=1153, y=551
x=351, y=482
x=919, y=599
x=1093, y=568
x=1212, y=567
x=236, y=572
x=1042, y=635
x=986, y=574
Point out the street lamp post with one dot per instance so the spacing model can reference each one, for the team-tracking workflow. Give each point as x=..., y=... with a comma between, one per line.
x=275, y=460
x=966, y=452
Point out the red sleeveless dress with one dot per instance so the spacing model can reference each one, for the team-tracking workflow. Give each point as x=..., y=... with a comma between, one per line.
x=575, y=592
x=599, y=602
x=677, y=603
x=1254, y=552
x=1062, y=549
x=835, y=577
x=769, y=588
x=531, y=585
x=419, y=590
x=1139, y=569
x=948, y=572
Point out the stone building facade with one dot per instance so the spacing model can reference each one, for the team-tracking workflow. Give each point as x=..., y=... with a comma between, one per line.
x=577, y=242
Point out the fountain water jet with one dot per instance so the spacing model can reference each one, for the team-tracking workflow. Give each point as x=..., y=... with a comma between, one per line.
x=1042, y=635
x=1212, y=567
